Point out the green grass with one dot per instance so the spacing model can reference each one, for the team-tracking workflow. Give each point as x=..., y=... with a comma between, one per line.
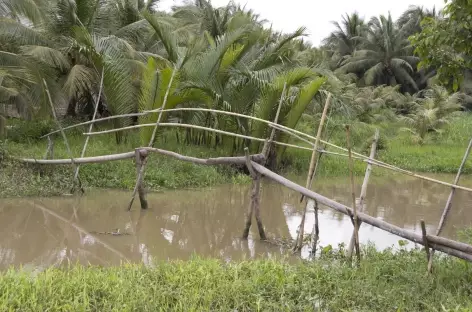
x=18, y=179
x=440, y=153
x=385, y=281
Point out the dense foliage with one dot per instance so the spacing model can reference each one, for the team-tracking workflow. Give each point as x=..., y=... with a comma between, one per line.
x=127, y=55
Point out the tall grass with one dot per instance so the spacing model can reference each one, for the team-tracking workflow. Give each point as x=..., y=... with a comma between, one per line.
x=385, y=281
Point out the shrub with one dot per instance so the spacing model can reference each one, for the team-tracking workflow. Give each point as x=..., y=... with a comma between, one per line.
x=29, y=131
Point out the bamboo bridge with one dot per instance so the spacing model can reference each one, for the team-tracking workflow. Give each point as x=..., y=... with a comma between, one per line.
x=256, y=167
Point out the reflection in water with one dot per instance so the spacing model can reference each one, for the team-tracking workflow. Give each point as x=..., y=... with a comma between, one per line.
x=38, y=233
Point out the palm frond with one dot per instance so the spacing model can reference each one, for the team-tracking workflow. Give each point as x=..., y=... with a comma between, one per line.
x=79, y=81
x=52, y=57
x=164, y=32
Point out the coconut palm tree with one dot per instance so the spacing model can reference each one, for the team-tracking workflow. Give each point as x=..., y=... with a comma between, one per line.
x=70, y=50
x=410, y=20
x=432, y=112
x=386, y=56
x=347, y=37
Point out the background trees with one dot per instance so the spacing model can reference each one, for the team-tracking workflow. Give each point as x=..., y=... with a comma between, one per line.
x=225, y=58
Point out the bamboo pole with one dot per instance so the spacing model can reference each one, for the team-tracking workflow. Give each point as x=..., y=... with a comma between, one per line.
x=66, y=142
x=141, y=156
x=425, y=240
x=97, y=101
x=309, y=180
x=114, y=157
x=255, y=199
x=373, y=149
x=353, y=194
x=288, y=130
x=316, y=230
x=256, y=178
x=164, y=102
x=50, y=149
x=445, y=245
x=267, y=144
x=140, y=173
x=250, y=211
x=84, y=160
x=170, y=124
x=447, y=208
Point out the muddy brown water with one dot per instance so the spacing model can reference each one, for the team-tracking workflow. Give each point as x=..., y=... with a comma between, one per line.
x=37, y=233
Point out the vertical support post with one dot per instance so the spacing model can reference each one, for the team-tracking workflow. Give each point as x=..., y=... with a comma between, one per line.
x=141, y=156
x=97, y=101
x=50, y=149
x=442, y=221
x=301, y=229
x=373, y=150
x=351, y=176
x=254, y=207
x=151, y=141
x=66, y=142
x=316, y=231
x=255, y=200
x=425, y=240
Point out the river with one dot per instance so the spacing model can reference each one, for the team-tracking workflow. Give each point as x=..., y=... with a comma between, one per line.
x=37, y=233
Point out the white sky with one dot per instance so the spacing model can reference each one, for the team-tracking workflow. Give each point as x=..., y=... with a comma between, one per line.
x=317, y=15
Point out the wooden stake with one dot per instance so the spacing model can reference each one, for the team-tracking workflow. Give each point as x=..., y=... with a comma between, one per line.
x=97, y=101
x=316, y=231
x=164, y=102
x=254, y=207
x=425, y=240
x=373, y=149
x=50, y=149
x=299, y=241
x=66, y=142
x=449, y=201
x=141, y=156
x=267, y=144
x=255, y=200
x=151, y=141
x=351, y=175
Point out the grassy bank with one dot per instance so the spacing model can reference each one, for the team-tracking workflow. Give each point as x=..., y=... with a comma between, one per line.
x=439, y=153
x=161, y=173
x=384, y=282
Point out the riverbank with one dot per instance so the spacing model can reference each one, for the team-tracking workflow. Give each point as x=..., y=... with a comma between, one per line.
x=385, y=281
x=439, y=154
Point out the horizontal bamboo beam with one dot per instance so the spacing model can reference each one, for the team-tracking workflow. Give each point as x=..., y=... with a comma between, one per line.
x=172, y=124
x=408, y=173
x=82, y=160
x=239, y=160
x=448, y=246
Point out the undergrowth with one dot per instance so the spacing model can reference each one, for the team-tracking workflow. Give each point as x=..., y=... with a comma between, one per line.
x=385, y=281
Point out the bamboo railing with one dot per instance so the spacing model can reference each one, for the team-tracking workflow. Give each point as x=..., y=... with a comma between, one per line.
x=292, y=132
